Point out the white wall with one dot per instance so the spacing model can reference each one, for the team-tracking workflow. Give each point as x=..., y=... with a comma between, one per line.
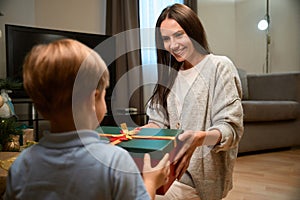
x=285, y=35
x=218, y=19
x=74, y=15
x=231, y=27
x=15, y=12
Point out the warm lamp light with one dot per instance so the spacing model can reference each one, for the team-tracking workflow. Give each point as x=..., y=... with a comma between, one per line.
x=263, y=24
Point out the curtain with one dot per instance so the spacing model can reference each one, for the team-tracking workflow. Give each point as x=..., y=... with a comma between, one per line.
x=122, y=22
x=192, y=4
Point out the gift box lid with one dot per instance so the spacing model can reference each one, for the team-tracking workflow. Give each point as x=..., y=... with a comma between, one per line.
x=145, y=145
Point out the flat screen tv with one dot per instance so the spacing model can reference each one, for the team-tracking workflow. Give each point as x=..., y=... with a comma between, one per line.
x=20, y=40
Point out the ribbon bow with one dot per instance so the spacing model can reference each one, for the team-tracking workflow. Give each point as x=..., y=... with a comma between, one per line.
x=125, y=135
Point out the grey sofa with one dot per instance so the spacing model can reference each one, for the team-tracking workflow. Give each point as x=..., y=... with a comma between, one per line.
x=271, y=104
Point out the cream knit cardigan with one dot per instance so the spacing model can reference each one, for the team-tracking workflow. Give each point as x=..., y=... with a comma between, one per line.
x=212, y=102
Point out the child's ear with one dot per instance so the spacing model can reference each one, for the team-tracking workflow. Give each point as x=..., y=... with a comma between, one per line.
x=93, y=99
x=97, y=94
x=96, y=97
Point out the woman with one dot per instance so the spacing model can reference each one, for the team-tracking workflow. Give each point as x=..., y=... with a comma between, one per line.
x=200, y=93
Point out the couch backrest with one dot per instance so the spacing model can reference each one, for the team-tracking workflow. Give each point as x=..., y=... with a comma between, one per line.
x=275, y=86
x=243, y=78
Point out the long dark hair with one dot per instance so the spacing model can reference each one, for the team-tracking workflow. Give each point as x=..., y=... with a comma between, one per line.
x=191, y=24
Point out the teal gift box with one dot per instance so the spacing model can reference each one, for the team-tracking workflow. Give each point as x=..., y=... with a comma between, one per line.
x=156, y=142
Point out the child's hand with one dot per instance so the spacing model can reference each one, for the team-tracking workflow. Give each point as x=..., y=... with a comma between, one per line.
x=156, y=176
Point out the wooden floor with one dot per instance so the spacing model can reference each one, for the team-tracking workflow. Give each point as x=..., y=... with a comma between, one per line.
x=267, y=176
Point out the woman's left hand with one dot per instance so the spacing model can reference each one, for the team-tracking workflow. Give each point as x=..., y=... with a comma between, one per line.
x=191, y=140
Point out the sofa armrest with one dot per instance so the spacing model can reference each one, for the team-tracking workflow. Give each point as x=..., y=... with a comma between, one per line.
x=276, y=86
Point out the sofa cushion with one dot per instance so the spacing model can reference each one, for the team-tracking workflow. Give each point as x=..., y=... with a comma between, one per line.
x=243, y=78
x=259, y=111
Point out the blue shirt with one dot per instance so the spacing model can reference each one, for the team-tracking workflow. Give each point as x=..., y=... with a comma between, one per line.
x=74, y=166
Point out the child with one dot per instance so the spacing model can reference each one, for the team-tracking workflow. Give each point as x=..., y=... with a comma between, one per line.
x=66, y=81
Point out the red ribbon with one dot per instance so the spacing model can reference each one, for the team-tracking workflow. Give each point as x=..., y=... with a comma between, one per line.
x=124, y=136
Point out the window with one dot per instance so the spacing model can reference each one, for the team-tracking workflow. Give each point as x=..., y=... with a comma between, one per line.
x=149, y=12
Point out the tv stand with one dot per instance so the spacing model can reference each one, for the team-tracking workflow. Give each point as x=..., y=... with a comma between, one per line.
x=32, y=117
x=132, y=119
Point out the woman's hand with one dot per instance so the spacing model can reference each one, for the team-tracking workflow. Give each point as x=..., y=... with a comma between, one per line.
x=137, y=129
x=191, y=140
x=156, y=176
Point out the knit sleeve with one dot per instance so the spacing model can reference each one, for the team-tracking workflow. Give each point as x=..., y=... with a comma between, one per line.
x=227, y=113
x=157, y=115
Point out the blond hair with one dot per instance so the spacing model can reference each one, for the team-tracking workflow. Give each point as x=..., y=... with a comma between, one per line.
x=51, y=71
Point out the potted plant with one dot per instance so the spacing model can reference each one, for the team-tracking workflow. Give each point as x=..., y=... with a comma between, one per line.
x=9, y=131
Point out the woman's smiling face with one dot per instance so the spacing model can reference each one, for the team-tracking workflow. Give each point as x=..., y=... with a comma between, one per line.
x=176, y=41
